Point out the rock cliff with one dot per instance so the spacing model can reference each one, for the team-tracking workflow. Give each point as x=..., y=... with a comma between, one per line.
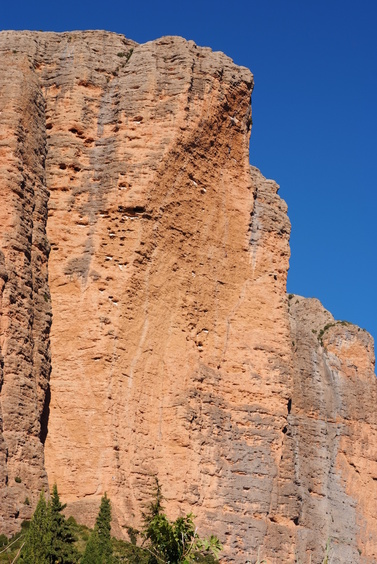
x=132, y=219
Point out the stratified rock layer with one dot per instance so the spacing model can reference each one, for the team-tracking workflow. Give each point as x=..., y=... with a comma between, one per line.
x=175, y=350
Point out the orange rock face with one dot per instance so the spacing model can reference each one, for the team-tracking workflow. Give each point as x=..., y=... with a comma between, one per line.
x=175, y=351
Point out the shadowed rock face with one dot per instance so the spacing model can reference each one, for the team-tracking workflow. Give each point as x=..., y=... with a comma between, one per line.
x=175, y=350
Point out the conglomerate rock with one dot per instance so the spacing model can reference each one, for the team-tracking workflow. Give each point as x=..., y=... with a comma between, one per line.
x=174, y=350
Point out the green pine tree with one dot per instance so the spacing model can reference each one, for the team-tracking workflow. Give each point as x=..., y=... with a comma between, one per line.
x=38, y=538
x=99, y=549
x=49, y=539
x=62, y=548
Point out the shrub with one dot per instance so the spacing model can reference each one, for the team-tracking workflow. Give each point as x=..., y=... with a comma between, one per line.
x=175, y=541
x=3, y=540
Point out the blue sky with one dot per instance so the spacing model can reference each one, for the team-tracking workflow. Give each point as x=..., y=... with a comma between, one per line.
x=314, y=117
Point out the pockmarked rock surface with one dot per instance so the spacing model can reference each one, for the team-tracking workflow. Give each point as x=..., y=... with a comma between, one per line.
x=132, y=219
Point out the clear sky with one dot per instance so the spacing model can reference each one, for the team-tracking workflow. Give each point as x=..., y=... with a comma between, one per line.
x=314, y=116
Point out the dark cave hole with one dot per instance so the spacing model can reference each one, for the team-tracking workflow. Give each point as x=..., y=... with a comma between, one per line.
x=289, y=405
x=132, y=210
x=44, y=416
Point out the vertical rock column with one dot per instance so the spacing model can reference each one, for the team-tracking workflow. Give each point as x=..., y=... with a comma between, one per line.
x=330, y=432
x=25, y=310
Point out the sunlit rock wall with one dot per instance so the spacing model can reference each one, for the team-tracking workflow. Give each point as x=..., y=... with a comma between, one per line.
x=175, y=351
